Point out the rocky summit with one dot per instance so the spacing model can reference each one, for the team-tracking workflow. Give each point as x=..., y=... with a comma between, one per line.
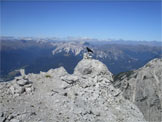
x=87, y=95
x=144, y=88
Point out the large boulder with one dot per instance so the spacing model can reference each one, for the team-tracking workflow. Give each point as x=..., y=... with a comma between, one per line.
x=91, y=67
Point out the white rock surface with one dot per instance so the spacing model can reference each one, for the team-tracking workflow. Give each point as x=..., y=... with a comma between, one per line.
x=85, y=96
x=144, y=88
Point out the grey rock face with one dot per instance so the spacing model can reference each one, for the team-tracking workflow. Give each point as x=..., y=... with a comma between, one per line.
x=144, y=88
x=20, y=85
x=91, y=67
x=85, y=96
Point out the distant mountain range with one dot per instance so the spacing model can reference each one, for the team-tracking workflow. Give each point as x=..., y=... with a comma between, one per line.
x=37, y=55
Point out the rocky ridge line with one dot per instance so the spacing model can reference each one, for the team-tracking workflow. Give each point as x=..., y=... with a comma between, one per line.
x=87, y=95
x=143, y=87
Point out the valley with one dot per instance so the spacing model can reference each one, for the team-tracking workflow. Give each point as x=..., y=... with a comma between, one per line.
x=41, y=55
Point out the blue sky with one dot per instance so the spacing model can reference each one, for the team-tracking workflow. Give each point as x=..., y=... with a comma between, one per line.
x=102, y=20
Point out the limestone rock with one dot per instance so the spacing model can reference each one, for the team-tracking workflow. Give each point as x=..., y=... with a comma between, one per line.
x=92, y=67
x=87, y=56
x=16, y=89
x=22, y=72
x=59, y=71
x=20, y=85
x=70, y=79
x=14, y=120
x=87, y=95
x=144, y=88
x=22, y=82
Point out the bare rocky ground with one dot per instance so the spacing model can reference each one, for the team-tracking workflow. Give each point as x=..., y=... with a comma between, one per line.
x=87, y=95
x=143, y=87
